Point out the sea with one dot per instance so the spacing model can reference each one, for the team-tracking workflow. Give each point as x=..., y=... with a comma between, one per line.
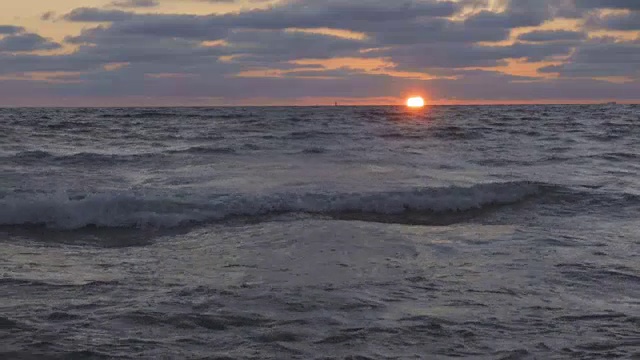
x=474, y=232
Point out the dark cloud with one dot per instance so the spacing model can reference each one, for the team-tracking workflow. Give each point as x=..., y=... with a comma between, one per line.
x=280, y=45
x=135, y=3
x=601, y=59
x=542, y=10
x=623, y=22
x=10, y=29
x=49, y=15
x=608, y=4
x=152, y=25
x=505, y=20
x=21, y=63
x=521, y=13
x=422, y=58
x=505, y=88
x=388, y=22
x=179, y=26
x=552, y=35
x=26, y=42
x=98, y=15
x=302, y=13
x=437, y=30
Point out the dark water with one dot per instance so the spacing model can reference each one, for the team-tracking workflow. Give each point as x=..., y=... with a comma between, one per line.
x=366, y=232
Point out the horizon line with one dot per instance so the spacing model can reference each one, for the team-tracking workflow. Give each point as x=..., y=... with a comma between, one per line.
x=303, y=106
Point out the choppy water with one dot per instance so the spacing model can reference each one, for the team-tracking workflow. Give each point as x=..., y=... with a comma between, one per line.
x=364, y=232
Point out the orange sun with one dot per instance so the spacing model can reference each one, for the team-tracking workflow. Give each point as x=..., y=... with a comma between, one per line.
x=415, y=102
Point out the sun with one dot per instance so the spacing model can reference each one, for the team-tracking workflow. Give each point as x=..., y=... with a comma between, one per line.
x=415, y=102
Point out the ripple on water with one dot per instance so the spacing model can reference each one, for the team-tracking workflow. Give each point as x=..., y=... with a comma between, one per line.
x=8, y=324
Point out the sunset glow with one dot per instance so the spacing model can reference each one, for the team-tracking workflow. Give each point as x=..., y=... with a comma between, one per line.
x=415, y=102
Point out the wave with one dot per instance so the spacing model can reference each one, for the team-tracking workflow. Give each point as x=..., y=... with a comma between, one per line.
x=90, y=157
x=314, y=150
x=69, y=124
x=142, y=114
x=204, y=150
x=609, y=156
x=128, y=211
x=78, y=158
x=32, y=155
x=203, y=114
x=233, y=116
x=301, y=135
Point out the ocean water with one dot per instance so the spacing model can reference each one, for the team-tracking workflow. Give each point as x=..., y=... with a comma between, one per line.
x=495, y=232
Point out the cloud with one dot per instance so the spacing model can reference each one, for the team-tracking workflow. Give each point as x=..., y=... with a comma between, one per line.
x=127, y=83
x=302, y=13
x=601, y=59
x=11, y=29
x=452, y=56
x=26, y=42
x=552, y=35
x=388, y=22
x=49, y=15
x=505, y=88
x=456, y=47
x=622, y=22
x=97, y=15
x=608, y=4
x=159, y=26
x=280, y=45
x=135, y=3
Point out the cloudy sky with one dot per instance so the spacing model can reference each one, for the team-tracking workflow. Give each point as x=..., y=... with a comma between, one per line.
x=301, y=52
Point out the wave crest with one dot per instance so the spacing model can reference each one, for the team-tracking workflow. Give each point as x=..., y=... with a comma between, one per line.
x=129, y=211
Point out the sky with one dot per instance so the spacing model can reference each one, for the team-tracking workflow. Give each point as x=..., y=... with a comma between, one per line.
x=317, y=52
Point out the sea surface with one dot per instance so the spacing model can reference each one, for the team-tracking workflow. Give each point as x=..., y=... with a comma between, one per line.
x=490, y=232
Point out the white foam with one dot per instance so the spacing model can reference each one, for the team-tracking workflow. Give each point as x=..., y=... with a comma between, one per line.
x=118, y=210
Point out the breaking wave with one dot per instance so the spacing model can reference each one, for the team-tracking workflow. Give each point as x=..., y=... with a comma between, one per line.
x=129, y=211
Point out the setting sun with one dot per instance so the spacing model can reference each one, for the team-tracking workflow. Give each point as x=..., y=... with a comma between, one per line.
x=415, y=102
